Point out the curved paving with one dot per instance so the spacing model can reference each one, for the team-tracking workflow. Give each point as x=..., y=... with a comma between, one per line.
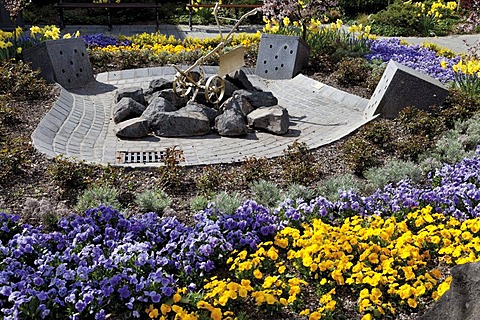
x=79, y=124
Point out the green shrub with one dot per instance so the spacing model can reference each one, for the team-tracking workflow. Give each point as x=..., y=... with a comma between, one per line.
x=395, y=20
x=393, y=171
x=351, y=71
x=68, y=173
x=228, y=203
x=330, y=187
x=171, y=174
x=360, y=154
x=199, y=203
x=265, y=193
x=354, y=7
x=19, y=81
x=153, y=201
x=96, y=196
x=409, y=147
x=375, y=75
x=298, y=164
x=254, y=169
x=15, y=155
x=298, y=191
x=209, y=181
x=458, y=106
x=378, y=132
x=421, y=122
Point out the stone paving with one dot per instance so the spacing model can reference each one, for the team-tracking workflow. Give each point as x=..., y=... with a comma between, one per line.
x=79, y=124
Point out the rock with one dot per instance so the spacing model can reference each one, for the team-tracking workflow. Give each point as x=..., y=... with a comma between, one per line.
x=238, y=102
x=461, y=301
x=180, y=124
x=231, y=123
x=258, y=98
x=198, y=107
x=127, y=108
x=230, y=88
x=177, y=101
x=157, y=106
x=159, y=85
x=133, y=128
x=240, y=80
x=273, y=119
x=136, y=93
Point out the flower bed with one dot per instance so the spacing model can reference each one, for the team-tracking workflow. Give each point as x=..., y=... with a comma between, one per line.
x=385, y=253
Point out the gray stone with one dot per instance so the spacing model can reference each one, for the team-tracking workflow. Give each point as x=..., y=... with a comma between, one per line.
x=136, y=93
x=273, y=119
x=461, y=301
x=231, y=123
x=258, y=98
x=280, y=56
x=133, y=128
x=176, y=100
x=180, y=124
x=198, y=107
x=127, y=108
x=401, y=87
x=159, y=85
x=63, y=61
x=239, y=103
x=230, y=88
x=241, y=81
x=157, y=106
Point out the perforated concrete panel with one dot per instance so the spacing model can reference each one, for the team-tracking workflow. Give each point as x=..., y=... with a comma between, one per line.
x=64, y=61
x=281, y=57
x=401, y=87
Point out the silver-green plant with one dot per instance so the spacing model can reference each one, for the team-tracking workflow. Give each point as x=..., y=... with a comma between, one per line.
x=329, y=188
x=393, y=171
x=153, y=201
x=298, y=191
x=266, y=193
x=199, y=203
x=96, y=196
x=228, y=202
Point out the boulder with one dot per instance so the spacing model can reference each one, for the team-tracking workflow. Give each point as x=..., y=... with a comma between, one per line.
x=198, y=107
x=230, y=88
x=461, y=301
x=258, y=98
x=136, y=93
x=133, y=128
x=159, y=85
x=177, y=101
x=180, y=124
x=240, y=80
x=158, y=105
x=239, y=103
x=127, y=108
x=231, y=123
x=273, y=119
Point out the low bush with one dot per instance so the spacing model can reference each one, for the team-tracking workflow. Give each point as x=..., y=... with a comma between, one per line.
x=331, y=187
x=266, y=193
x=227, y=202
x=68, y=173
x=298, y=164
x=19, y=81
x=153, y=201
x=351, y=71
x=392, y=172
x=15, y=156
x=96, y=196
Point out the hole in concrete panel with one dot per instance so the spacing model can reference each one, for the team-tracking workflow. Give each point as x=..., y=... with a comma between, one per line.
x=281, y=65
x=81, y=70
x=266, y=71
x=61, y=52
x=264, y=61
x=71, y=62
x=291, y=51
x=83, y=54
x=63, y=70
x=75, y=50
x=276, y=57
x=77, y=75
x=271, y=46
x=276, y=68
x=69, y=80
x=285, y=47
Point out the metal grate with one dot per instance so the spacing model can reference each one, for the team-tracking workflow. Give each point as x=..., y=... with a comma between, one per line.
x=149, y=156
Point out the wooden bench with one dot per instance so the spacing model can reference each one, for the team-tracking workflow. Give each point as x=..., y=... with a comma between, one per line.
x=109, y=5
x=192, y=5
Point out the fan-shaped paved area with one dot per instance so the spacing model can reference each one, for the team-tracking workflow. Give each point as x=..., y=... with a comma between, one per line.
x=79, y=124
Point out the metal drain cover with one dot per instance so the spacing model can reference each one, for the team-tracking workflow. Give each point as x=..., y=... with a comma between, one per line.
x=126, y=157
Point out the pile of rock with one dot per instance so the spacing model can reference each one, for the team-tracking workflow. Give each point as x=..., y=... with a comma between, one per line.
x=160, y=111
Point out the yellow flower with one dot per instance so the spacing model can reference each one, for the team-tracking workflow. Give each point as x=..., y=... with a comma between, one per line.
x=286, y=21
x=165, y=308
x=257, y=274
x=368, y=316
x=412, y=303
x=34, y=30
x=67, y=36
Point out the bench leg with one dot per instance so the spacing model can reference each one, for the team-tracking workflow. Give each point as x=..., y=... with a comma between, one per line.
x=109, y=20
x=157, y=19
x=61, y=19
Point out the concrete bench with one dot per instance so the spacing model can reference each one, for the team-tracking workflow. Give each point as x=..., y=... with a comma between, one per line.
x=192, y=5
x=109, y=5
